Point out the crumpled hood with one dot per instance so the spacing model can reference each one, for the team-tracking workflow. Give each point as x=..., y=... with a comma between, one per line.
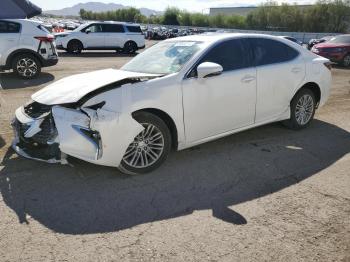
x=71, y=89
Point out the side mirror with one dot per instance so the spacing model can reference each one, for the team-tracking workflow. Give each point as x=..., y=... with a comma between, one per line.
x=87, y=31
x=208, y=69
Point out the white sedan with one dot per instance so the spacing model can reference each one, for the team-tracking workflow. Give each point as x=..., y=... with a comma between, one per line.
x=177, y=94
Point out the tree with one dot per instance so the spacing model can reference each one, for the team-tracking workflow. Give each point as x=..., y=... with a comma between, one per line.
x=170, y=16
x=324, y=16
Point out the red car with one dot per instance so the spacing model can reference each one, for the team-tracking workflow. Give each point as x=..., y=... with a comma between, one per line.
x=336, y=49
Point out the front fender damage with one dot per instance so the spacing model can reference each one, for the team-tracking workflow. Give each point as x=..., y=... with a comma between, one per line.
x=97, y=136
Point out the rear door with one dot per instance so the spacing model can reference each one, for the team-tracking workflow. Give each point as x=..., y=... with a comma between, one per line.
x=280, y=71
x=115, y=34
x=9, y=38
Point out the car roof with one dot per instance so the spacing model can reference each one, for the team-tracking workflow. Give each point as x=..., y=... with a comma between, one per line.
x=113, y=22
x=214, y=37
x=23, y=21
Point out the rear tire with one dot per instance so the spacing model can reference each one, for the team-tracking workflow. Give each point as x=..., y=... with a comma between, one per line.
x=74, y=47
x=302, y=110
x=26, y=66
x=130, y=47
x=149, y=149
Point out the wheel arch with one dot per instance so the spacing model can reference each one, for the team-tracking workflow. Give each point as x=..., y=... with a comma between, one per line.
x=167, y=120
x=22, y=51
x=75, y=39
x=130, y=40
x=314, y=87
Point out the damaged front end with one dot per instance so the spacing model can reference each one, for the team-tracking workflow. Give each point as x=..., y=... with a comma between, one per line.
x=81, y=117
x=35, y=133
x=98, y=128
x=49, y=133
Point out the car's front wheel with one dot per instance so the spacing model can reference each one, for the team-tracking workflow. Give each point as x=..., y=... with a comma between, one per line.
x=26, y=66
x=74, y=47
x=302, y=109
x=150, y=148
x=346, y=60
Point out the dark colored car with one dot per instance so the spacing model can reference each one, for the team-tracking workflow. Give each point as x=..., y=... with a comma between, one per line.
x=313, y=42
x=292, y=39
x=336, y=49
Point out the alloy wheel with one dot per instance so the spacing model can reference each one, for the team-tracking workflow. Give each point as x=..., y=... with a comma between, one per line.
x=27, y=67
x=146, y=148
x=304, y=109
x=129, y=47
x=347, y=60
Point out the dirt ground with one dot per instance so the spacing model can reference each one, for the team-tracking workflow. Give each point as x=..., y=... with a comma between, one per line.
x=268, y=194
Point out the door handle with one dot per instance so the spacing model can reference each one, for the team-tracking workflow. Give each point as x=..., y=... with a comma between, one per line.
x=296, y=70
x=248, y=79
x=10, y=39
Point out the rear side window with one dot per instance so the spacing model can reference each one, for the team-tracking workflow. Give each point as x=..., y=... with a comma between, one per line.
x=9, y=27
x=268, y=51
x=134, y=29
x=230, y=55
x=42, y=28
x=113, y=28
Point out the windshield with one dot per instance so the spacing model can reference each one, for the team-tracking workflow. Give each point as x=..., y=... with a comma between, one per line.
x=80, y=27
x=163, y=58
x=344, y=39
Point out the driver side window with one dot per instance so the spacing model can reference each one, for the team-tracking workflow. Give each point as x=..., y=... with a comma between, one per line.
x=95, y=28
x=231, y=55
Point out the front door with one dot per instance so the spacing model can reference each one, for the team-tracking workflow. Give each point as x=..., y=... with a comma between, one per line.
x=93, y=36
x=220, y=103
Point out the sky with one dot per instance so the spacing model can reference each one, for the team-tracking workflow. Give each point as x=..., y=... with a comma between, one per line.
x=160, y=5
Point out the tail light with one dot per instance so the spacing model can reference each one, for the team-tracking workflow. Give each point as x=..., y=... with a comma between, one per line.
x=45, y=38
x=328, y=65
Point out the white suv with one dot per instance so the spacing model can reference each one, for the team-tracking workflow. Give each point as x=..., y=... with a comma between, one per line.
x=25, y=47
x=102, y=36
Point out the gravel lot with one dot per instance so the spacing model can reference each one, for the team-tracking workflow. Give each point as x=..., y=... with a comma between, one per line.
x=268, y=194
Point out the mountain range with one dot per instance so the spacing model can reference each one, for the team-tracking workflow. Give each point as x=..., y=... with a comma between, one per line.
x=96, y=7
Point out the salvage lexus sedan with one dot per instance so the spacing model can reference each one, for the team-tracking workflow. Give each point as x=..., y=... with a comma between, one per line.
x=177, y=94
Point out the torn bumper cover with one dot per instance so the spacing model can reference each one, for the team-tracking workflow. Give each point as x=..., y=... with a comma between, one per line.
x=57, y=123
x=97, y=136
x=35, y=135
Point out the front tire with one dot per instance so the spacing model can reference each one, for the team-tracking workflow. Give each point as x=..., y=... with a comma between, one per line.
x=302, y=109
x=346, y=60
x=150, y=148
x=74, y=47
x=26, y=66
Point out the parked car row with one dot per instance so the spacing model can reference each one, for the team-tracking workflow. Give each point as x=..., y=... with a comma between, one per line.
x=26, y=45
x=162, y=33
x=52, y=23
x=336, y=49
